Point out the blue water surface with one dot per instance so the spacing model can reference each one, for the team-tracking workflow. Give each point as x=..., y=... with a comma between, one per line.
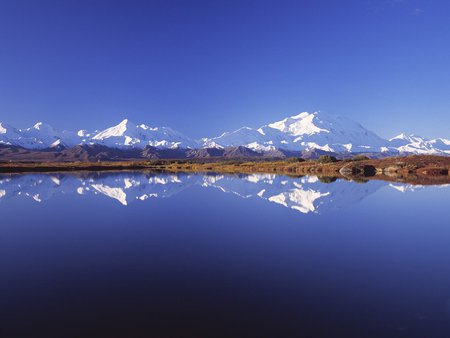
x=184, y=255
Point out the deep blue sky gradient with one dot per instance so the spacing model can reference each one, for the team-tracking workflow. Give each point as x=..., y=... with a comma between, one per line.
x=204, y=67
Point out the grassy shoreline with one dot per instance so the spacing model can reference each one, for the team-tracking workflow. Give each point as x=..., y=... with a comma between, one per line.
x=419, y=169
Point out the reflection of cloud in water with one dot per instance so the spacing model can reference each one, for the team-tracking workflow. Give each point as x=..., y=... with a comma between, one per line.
x=305, y=194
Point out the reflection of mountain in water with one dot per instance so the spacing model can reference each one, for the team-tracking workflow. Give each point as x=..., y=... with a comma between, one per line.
x=305, y=194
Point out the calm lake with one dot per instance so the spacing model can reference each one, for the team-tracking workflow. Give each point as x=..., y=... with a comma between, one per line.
x=186, y=255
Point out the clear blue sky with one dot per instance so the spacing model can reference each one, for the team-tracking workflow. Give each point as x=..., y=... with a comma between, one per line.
x=203, y=67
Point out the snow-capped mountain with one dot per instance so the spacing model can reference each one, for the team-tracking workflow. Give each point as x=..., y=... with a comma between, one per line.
x=39, y=136
x=302, y=132
x=127, y=134
x=43, y=136
x=124, y=135
x=419, y=145
x=305, y=131
x=8, y=134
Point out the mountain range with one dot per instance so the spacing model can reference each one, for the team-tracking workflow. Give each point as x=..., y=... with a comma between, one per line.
x=303, y=133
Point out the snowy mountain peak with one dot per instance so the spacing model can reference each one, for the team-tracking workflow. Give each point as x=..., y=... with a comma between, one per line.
x=128, y=134
x=441, y=140
x=42, y=127
x=414, y=144
x=82, y=133
x=38, y=125
x=300, y=124
x=305, y=131
x=401, y=136
x=303, y=115
x=407, y=138
x=124, y=122
x=118, y=130
x=3, y=128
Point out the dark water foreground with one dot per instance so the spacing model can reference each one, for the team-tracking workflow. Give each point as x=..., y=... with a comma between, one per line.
x=145, y=255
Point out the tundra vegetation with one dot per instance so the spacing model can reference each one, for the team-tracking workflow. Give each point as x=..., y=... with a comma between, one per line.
x=416, y=169
x=327, y=159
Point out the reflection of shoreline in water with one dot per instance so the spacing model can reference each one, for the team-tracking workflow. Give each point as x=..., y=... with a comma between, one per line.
x=305, y=194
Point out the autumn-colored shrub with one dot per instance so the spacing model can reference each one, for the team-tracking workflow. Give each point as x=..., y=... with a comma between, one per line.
x=327, y=159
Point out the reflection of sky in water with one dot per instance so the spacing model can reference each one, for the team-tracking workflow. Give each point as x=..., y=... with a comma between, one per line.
x=218, y=255
x=306, y=194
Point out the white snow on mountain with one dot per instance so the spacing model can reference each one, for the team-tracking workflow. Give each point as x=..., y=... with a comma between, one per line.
x=418, y=145
x=244, y=136
x=124, y=135
x=8, y=134
x=301, y=124
x=127, y=134
x=305, y=131
x=39, y=136
x=441, y=144
x=3, y=128
x=42, y=136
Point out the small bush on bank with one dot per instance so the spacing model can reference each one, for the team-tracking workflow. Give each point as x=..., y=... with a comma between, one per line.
x=360, y=158
x=294, y=159
x=327, y=159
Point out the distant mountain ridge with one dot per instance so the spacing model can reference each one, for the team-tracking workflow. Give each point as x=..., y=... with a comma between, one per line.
x=305, y=132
